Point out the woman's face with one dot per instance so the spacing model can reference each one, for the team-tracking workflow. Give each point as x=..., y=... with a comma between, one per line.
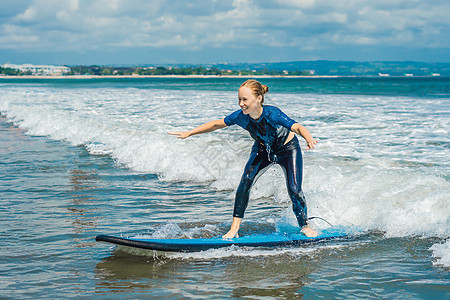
x=249, y=103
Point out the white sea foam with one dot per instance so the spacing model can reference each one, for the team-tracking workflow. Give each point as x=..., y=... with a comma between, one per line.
x=381, y=163
x=172, y=230
x=441, y=253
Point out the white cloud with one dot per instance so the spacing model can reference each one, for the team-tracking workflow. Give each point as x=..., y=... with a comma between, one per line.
x=296, y=3
x=28, y=15
x=81, y=25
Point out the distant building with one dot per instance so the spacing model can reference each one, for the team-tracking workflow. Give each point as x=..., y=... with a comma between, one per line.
x=39, y=69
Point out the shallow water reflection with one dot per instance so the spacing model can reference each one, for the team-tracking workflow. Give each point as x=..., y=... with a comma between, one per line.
x=252, y=277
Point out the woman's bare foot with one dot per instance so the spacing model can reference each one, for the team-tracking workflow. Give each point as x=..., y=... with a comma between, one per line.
x=308, y=231
x=233, y=233
x=230, y=234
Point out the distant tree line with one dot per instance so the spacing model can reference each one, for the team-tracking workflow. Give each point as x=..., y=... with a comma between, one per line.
x=348, y=68
x=158, y=71
x=13, y=72
x=300, y=68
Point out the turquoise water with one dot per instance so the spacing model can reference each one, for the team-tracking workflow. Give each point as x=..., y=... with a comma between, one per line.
x=86, y=157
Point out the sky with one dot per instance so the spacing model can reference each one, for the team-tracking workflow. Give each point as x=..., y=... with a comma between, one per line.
x=133, y=32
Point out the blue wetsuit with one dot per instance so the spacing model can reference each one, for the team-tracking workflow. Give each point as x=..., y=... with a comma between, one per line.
x=270, y=133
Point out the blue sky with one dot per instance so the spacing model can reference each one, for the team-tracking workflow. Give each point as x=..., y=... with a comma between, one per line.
x=214, y=31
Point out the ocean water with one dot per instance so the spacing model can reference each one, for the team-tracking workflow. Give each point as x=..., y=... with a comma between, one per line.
x=85, y=157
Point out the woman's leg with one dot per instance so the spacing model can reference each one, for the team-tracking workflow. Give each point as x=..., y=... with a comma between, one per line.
x=291, y=161
x=257, y=164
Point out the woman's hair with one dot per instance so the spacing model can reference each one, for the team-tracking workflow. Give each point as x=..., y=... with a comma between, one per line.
x=257, y=88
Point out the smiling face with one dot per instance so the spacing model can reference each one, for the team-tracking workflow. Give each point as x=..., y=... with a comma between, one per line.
x=249, y=103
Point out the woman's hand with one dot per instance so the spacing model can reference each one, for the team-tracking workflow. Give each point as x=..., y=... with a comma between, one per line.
x=311, y=144
x=180, y=134
x=299, y=129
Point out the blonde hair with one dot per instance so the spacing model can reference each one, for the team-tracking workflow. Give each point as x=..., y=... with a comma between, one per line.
x=257, y=88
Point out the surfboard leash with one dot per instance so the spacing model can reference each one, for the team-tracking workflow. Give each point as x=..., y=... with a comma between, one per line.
x=321, y=219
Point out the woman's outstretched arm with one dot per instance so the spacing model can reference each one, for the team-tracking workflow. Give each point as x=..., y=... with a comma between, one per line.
x=301, y=130
x=207, y=127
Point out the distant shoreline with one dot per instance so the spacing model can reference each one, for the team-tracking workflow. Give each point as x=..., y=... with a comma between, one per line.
x=160, y=76
x=195, y=76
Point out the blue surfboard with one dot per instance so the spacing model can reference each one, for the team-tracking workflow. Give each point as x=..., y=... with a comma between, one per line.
x=202, y=244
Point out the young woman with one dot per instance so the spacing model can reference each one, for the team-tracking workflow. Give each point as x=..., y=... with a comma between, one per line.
x=275, y=143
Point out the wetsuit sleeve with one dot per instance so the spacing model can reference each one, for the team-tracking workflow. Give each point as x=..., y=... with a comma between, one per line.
x=231, y=119
x=237, y=118
x=280, y=118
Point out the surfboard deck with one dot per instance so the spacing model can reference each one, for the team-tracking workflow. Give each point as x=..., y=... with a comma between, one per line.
x=202, y=244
